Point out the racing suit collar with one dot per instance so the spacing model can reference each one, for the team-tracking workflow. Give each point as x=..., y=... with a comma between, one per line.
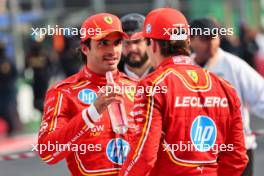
x=182, y=60
x=98, y=79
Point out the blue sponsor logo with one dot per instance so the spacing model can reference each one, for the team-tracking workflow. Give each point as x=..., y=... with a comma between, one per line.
x=203, y=133
x=117, y=150
x=148, y=28
x=87, y=96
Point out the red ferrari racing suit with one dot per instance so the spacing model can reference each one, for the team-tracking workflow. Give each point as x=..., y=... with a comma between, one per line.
x=71, y=127
x=190, y=121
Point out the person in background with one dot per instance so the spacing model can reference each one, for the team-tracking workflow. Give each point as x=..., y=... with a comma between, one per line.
x=40, y=63
x=248, y=47
x=8, y=92
x=247, y=82
x=67, y=57
x=135, y=62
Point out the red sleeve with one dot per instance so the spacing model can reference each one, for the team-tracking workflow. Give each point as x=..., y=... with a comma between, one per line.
x=147, y=115
x=59, y=128
x=233, y=162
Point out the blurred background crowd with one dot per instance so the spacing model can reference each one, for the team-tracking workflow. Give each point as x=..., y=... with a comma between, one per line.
x=30, y=63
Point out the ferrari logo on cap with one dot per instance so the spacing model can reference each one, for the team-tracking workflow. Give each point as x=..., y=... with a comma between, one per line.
x=193, y=75
x=108, y=20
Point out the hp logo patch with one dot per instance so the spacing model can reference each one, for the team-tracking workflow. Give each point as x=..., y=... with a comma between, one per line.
x=203, y=133
x=87, y=96
x=148, y=28
x=117, y=150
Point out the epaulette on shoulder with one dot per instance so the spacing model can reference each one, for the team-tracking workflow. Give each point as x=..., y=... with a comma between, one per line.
x=70, y=80
x=226, y=83
x=152, y=75
x=222, y=80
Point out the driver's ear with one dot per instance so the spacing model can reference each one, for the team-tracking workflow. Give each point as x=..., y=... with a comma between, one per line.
x=154, y=45
x=84, y=49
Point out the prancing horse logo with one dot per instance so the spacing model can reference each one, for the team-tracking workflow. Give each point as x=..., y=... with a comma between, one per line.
x=108, y=20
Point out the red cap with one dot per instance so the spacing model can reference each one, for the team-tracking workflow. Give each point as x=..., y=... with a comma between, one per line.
x=100, y=25
x=162, y=23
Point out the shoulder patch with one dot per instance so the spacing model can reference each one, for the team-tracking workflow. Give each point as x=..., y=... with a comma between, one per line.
x=70, y=80
x=193, y=75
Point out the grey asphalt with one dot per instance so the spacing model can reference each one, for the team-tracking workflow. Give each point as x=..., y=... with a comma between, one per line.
x=36, y=167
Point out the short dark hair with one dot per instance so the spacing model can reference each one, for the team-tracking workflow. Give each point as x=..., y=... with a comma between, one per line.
x=170, y=48
x=83, y=56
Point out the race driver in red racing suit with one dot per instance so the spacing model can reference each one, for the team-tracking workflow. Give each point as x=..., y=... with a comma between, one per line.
x=76, y=124
x=193, y=129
